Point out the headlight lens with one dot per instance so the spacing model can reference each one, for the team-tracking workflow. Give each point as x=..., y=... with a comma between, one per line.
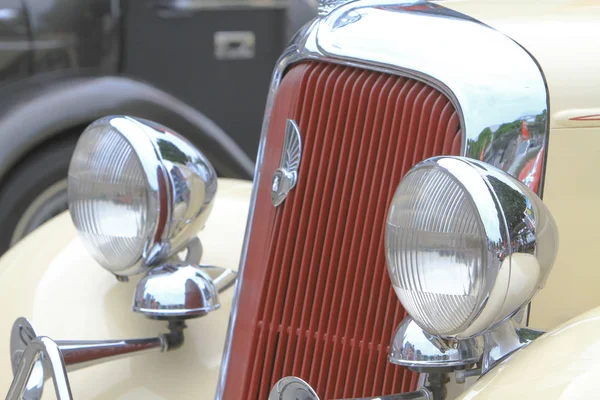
x=436, y=251
x=467, y=245
x=109, y=200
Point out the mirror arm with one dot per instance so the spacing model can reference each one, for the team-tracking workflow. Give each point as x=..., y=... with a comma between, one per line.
x=37, y=358
x=79, y=354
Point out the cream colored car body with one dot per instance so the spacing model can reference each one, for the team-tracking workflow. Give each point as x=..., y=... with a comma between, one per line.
x=50, y=279
x=562, y=364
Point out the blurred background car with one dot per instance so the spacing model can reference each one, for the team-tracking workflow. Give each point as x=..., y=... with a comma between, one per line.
x=201, y=67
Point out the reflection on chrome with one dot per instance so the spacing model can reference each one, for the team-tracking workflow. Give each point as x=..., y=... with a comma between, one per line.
x=292, y=388
x=413, y=347
x=178, y=290
x=326, y=6
x=516, y=147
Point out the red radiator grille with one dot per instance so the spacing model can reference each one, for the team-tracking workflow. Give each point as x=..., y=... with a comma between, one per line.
x=316, y=301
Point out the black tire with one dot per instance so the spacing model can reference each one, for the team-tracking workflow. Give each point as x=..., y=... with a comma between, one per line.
x=28, y=180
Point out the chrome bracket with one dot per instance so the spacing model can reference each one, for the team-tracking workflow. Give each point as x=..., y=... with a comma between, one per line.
x=37, y=358
x=503, y=340
x=180, y=288
x=420, y=351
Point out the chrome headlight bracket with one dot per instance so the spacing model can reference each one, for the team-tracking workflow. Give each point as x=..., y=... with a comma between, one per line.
x=420, y=351
x=505, y=339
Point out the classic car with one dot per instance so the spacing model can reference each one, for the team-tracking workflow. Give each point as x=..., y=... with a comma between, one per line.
x=395, y=238
x=198, y=66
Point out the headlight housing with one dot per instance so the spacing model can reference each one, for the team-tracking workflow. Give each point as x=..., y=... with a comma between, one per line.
x=467, y=245
x=137, y=192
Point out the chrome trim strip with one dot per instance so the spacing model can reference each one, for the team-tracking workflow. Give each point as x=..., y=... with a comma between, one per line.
x=491, y=80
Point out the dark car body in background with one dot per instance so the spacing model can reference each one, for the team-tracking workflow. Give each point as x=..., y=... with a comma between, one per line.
x=201, y=67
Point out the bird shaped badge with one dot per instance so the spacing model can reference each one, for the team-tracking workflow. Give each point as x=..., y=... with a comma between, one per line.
x=286, y=176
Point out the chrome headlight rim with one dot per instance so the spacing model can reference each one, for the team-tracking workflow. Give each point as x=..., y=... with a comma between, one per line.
x=139, y=134
x=489, y=191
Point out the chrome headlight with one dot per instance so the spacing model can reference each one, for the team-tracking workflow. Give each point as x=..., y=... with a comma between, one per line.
x=467, y=245
x=137, y=192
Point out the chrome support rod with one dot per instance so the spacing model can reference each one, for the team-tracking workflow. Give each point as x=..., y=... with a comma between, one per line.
x=223, y=278
x=82, y=354
x=37, y=358
x=79, y=354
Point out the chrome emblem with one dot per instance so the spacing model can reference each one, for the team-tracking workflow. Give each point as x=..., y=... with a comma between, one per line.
x=286, y=176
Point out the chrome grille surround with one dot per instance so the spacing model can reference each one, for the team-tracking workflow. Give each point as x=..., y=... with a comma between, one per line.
x=449, y=51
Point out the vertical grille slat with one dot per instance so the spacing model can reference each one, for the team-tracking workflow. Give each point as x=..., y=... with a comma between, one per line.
x=391, y=121
x=376, y=159
x=320, y=253
x=367, y=367
x=304, y=261
x=350, y=310
x=316, y=301
x=341, y=203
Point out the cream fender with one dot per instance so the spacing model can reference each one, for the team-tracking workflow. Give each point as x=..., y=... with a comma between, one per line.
x=50, y=279
x=562, y=364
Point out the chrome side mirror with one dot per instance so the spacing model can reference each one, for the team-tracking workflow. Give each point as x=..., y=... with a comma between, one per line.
x=172, y=293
